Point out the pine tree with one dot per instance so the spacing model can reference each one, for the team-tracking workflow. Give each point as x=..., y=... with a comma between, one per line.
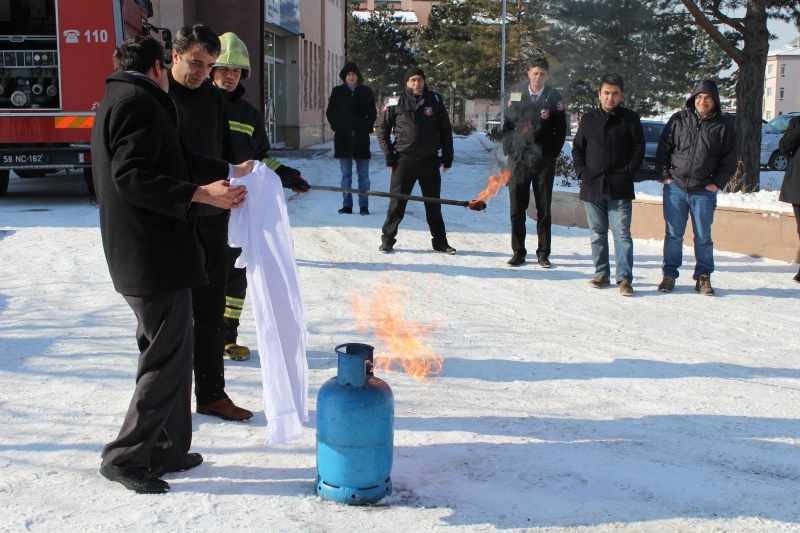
x=381, y=46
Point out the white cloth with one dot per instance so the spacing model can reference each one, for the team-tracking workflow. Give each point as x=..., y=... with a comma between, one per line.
x=261, y=229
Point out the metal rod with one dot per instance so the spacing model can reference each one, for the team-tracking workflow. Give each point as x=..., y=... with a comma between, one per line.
x=391, y=195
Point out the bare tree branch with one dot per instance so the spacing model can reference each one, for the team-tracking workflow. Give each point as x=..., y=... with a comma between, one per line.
x=704, y=22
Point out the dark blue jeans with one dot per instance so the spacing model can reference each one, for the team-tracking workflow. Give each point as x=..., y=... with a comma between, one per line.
x=678, y=205
x=362, y=169
x=616, y=214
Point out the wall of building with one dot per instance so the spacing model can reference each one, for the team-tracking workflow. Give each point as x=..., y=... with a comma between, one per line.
x=783, y=73
x=421, y=8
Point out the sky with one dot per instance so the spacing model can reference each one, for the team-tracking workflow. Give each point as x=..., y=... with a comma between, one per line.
x=785, y=31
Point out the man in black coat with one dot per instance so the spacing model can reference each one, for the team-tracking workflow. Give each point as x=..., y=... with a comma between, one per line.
x=607, y=152
x=351, y=113
x=790, y=189
x=421, y=128
x=204, y=126
x=249, y=140
x=143, y=175
x=534, y=130
x=696, y=157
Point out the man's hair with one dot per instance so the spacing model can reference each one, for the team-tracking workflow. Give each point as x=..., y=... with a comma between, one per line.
x=612, y=78
x=200, y=35
x=540, y=62
x=138, y=54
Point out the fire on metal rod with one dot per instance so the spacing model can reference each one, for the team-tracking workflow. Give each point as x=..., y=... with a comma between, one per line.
x=474, y=205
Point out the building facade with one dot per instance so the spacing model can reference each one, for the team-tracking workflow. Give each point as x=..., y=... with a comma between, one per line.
x=782, y=81
x=296, y=51
x=410, y=11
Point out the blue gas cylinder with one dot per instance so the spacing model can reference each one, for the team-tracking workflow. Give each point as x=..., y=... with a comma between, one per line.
x=355, y=431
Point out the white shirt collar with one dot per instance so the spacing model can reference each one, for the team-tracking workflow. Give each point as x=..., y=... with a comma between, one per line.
x=537, y=94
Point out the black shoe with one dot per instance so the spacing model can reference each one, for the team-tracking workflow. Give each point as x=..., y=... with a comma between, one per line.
x=544, y=262
x=364, y=210
x=517, y=260
x=133, y=478
x=346, y=210
x=386, y=248
x=445, y=249
x=796, y=277
x=190, y=460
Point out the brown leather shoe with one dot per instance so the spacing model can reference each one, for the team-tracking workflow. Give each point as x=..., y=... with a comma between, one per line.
x=226, y=410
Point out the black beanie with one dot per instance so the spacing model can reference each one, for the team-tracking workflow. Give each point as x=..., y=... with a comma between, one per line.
x=413, y=71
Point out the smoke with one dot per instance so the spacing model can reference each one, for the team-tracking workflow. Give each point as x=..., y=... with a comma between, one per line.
x=521, y=143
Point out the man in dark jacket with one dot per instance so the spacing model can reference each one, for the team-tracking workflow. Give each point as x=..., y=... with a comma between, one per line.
x=421, y=128
x=203, y=125
x=607, y=152
x=790, y=189
x=696, y=157
x=351, y=114
x=144, y=176
x=249, y=141
x=534, y=130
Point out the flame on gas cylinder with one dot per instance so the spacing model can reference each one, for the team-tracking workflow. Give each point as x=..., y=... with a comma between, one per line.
x=383, y=310
x=495, y=182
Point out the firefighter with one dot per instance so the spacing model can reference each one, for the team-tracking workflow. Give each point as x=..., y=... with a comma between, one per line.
x=249, y=140
x=421, y=128
x=534, y=131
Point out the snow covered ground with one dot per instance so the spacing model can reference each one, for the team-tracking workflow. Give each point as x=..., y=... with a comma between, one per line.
x=559, y=408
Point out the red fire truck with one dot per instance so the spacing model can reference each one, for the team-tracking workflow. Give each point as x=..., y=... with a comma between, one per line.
x=54, y=58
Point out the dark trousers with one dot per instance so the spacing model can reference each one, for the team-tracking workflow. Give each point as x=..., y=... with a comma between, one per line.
x=157, y=430
x=208, y=306
x=519, y=192
x=408, y=171
x=234, y=296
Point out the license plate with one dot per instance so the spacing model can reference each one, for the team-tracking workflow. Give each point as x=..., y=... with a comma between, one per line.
x=651, y=167
x=29, y=159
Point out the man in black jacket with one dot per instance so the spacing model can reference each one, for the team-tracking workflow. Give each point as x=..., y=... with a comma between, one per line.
x=534, y=130
x=204, y=127
x=607, y=152
x=249, y=140
x=790, y=189
x=144, y=176
x=421, y=128
x=351, y=114
x=696, y=157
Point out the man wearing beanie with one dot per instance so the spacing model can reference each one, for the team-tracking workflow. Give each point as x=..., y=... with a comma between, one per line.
x=421, y=128
x=351, y=113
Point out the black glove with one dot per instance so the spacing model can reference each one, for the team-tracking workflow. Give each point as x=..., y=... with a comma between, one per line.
x=391, y=161
x=299, y=185
x=446, y=163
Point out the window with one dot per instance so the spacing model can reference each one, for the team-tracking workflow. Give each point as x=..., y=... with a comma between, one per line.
x=770, y=68
x=780, y=113
x=769, y=92
x=783, y=70
x=781, y=92
x=769, y=115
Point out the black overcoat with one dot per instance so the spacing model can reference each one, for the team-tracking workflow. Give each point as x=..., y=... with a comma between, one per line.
x=143, y=177
x=790, y=145
x=351, y=112
x=608, y=147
